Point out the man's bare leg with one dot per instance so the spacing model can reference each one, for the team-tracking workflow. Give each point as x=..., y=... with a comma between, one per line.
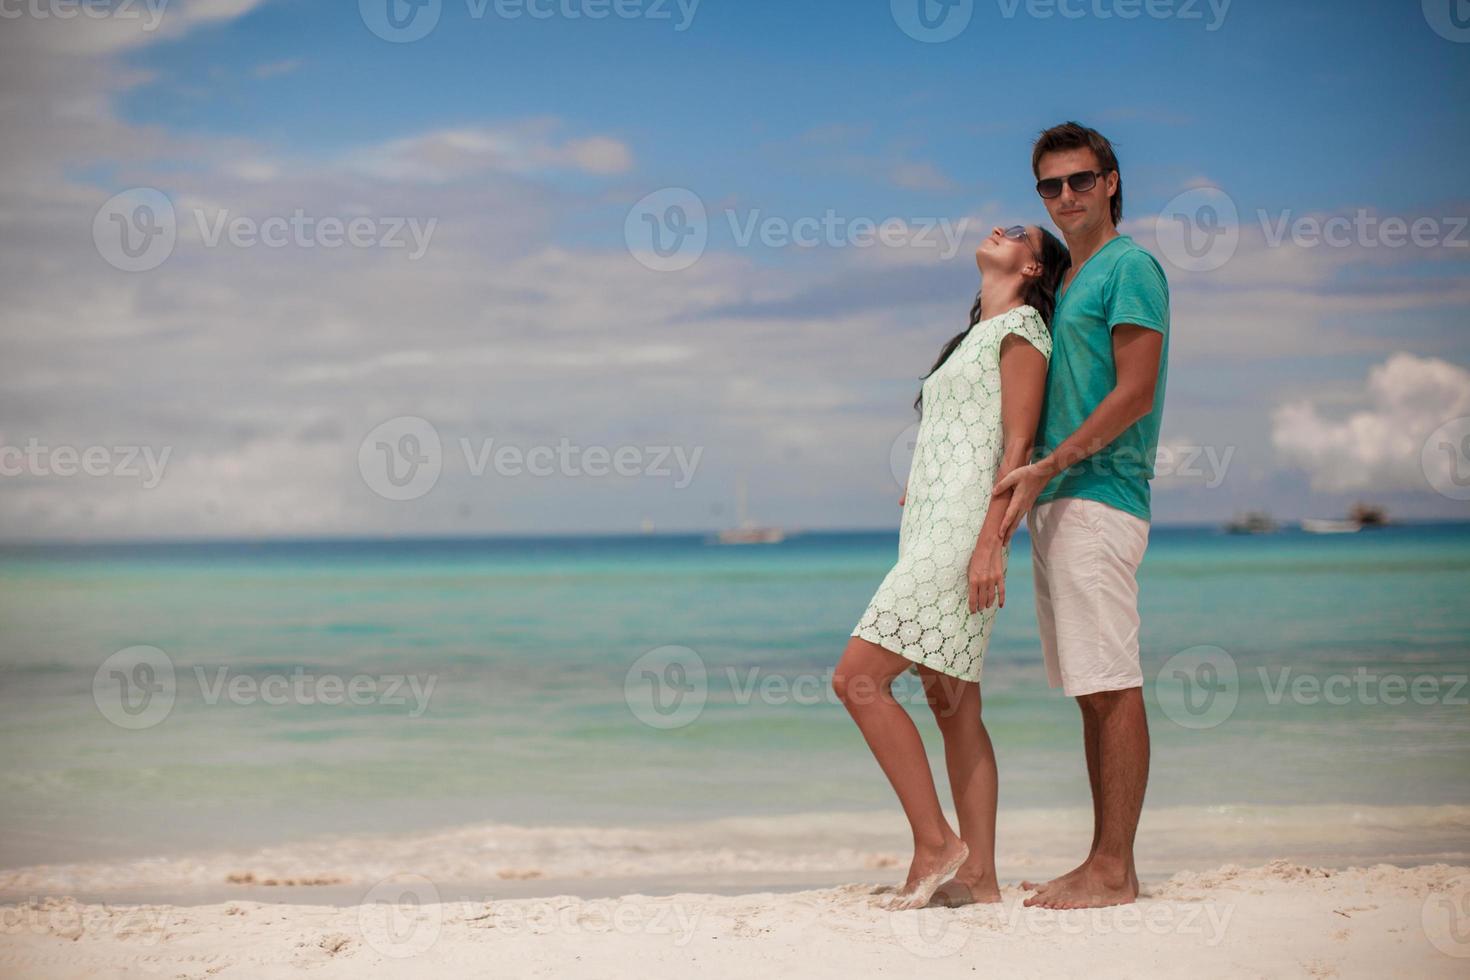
x=970, y=760
x=863, y=682
x=1089, y=745
x=1108, y=877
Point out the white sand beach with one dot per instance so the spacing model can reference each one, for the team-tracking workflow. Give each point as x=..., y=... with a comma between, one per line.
x=769, y=895
x=1279, y=919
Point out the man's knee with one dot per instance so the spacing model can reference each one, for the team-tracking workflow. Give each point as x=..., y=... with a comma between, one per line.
x=1102, y=703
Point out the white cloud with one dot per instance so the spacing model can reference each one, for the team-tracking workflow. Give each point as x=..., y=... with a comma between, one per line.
x=528, y=147
x=1377, y=447
x=921, y=177
x=273, y=69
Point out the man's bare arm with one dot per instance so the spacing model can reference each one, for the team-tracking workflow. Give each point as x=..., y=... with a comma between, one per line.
x=1136, y=353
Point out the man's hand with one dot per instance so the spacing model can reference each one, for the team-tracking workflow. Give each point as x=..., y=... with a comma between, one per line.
x=1024, y=483
x=987, y=575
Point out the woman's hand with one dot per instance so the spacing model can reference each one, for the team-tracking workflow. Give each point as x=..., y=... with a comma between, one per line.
x=987, y=575
x=903, y=496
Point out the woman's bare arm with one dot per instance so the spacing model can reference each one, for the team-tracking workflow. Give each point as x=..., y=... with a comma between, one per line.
x=1022, y=387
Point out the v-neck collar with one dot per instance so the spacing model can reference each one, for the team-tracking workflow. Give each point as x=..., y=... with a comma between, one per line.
x=1078, y=274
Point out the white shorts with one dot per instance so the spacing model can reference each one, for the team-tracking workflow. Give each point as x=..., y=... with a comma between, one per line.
x=1084, y=558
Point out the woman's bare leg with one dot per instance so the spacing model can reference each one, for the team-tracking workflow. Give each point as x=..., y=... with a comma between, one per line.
x=862, y=681
x=970, y=760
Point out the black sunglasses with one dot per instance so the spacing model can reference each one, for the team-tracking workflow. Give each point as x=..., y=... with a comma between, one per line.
x=1081, y=182
x=1018, y=232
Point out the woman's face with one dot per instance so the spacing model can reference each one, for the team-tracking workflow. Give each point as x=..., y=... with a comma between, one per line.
x=999, y=254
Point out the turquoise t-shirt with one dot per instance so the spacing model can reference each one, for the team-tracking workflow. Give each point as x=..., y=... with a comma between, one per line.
x=1121, y=283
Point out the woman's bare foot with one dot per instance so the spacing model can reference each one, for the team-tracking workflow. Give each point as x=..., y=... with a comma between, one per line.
x=965, y=889
x=930, y=867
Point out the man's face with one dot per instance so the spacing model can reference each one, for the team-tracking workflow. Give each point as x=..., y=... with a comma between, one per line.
x=1078, y=214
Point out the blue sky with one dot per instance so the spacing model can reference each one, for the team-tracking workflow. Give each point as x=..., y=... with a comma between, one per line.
x=1321, y=370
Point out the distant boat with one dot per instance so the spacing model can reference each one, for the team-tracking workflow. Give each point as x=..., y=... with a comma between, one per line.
x=1368, y=515
x=752, y=535
x=1322, y=525
x=747, y=531
x=1255, y=522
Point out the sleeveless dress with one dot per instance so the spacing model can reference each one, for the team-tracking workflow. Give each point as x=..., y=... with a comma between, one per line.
x=921, y=609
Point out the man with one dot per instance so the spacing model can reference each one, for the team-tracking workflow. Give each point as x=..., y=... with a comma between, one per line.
x=1089, y=524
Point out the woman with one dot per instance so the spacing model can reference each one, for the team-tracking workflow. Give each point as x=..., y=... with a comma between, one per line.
x=979, y=407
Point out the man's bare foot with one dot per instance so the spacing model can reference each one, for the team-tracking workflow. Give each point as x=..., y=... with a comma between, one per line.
x=1076, y=872
x=965, y=890
x=929, y=868
x=1092, y=888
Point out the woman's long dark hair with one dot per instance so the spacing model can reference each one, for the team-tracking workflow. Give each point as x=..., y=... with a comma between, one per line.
x=1040, y=293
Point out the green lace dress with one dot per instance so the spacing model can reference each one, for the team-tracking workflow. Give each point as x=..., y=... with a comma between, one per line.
x=921, y=609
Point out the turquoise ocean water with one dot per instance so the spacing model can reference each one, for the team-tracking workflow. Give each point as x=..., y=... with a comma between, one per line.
x=529, y=644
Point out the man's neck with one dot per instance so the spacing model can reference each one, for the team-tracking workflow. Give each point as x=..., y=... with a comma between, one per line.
x=1087, y=244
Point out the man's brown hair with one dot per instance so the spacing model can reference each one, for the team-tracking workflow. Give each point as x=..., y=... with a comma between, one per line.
x=1075, y=136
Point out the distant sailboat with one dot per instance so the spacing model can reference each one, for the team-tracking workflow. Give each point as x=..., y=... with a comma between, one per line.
x=1362, y=515
x=1322, y=525
x=747, y=531
x=1255, y=522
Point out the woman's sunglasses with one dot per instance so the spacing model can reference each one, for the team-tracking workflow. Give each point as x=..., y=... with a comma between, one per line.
x=1081, y=182
x=1018, y=232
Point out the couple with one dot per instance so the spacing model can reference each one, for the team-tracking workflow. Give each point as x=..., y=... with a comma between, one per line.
x=1096, y=313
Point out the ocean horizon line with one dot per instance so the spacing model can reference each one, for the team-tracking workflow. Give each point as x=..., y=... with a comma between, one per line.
x=534, y=536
